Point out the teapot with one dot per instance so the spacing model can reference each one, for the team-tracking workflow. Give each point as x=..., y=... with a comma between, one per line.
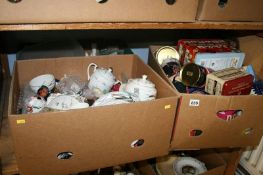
x=101, y=79
x=141, y=89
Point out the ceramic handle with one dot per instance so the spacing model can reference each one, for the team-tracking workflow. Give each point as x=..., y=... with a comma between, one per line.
x=88, y=69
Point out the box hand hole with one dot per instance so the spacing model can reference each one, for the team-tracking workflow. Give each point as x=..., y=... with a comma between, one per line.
x=101, y=1
x=64, y=155
x=14, y=1
x=222, y=3
x=195, y=132
x=229, y=115
x=248, y=131
x=137, y=143
x=170, y=2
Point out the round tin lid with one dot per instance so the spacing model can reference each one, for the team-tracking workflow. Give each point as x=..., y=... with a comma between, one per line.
x=166, y=52
x=190, y=74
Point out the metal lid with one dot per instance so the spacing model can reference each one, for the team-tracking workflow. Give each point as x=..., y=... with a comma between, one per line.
x=166, y=52
x=190, y=74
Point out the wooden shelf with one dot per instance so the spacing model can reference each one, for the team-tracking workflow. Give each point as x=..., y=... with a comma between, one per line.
x=8, y=164
x=109, y=26
x=7, y=157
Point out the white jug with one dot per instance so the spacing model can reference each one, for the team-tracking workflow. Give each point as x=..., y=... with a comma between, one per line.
x=101, y=79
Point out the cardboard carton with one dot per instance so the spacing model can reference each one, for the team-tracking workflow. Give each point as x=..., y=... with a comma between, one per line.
x=214, y=163
x=233, y=10
x=198, y=112
x=55, y=11
x=97, y=137
x=145, y=168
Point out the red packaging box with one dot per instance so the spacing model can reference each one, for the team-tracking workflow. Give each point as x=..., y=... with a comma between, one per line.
x=188, y=48
x=229, y=81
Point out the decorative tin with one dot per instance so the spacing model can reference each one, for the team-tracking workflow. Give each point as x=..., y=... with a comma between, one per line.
x=188, y=48
x=171, y=67
x=166, y=52
x=193, y=75
x=220, y=60
x=230, y=81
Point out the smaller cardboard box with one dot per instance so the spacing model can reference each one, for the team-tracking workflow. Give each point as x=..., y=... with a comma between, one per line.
x=232, y=10
x=94, y=137
x=214, y=163
x=54, y=11
x=198, y=113
x=145, y=168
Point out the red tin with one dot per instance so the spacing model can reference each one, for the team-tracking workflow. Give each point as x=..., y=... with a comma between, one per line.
x=238, y=86
x=188, y=48
x=230, y=81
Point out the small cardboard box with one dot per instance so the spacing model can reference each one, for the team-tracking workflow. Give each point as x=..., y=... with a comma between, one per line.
x=55, y=11
x=198, y=112
x=97, y=136
x=233, y=10
x=214, y=163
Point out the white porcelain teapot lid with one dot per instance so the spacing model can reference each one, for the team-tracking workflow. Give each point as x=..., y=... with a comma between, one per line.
x=142, y=82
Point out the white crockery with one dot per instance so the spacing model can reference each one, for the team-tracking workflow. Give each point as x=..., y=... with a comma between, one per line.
x=47, y=80
x=112, y=98
x=141, y=89
x=101, y=79
x=65, y=102
x=36, y=104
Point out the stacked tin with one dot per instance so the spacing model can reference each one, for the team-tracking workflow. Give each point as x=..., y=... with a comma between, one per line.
x=206, y=66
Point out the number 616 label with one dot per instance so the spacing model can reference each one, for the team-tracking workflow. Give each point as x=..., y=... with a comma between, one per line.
x=194, y=102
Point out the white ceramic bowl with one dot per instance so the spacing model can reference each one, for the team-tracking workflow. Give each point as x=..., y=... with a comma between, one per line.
x=47, y=80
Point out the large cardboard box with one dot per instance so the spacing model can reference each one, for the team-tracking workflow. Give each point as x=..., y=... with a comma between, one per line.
x=233, y=10
x=55, y=11
x=202, y=116
x=98, y=137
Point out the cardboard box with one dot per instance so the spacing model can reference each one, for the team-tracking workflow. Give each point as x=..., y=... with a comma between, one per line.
x=233, y=10
x=145, y=168
x=164, y=165
x=55, y=11
x=214, y=163
x=198, y=112
x=98, y=137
